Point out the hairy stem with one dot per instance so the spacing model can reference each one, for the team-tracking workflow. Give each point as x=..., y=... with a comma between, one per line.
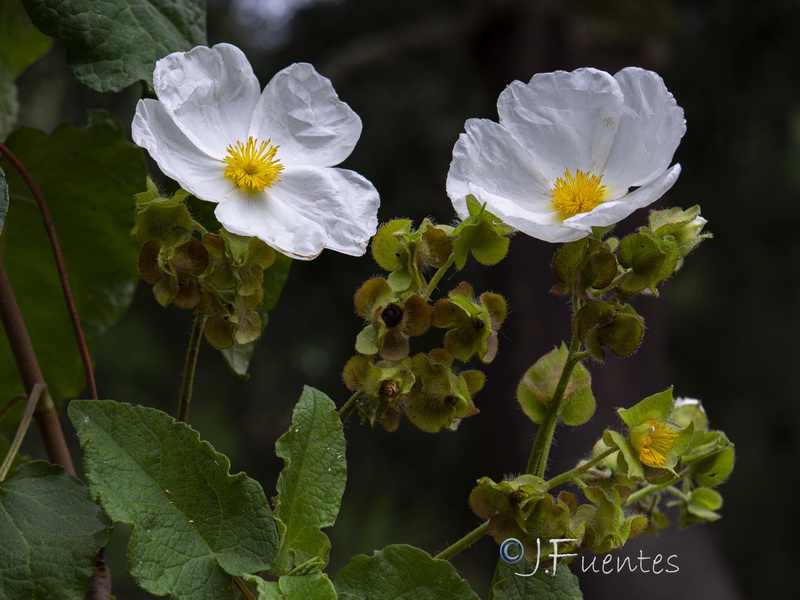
x=652, y=489
x=243, y=589
x=544, y=437
x=437, y=277
x=465, y=542
x=83, y=349
x=191, y=363
x=349, y=406
x=582, y=468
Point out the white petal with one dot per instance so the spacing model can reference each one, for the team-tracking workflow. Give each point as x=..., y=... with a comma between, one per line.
x=265, y=216
x=300, y=112
x=489, y=157
x=211, y=94
x=543, y=226
x=614, y=211
x=342, y=202
x=176, y=155
x=650, y=129
x=565, y=120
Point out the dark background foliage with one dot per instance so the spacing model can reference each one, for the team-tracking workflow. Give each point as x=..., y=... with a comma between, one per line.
x=724, y=329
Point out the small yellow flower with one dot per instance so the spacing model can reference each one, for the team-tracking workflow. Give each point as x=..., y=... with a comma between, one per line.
x=652, y=441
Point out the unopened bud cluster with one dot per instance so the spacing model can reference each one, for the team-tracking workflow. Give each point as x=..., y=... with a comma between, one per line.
x=427, y=387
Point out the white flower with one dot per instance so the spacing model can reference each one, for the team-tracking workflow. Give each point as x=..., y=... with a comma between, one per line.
x=571, y=151
x=264, y=157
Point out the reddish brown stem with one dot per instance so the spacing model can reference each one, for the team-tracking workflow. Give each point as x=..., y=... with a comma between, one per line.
x=62, y=269
x=31, y=374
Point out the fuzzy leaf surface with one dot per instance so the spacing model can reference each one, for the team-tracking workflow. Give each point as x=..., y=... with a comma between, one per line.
x=400, y=572
x=194, y=524
x=51, y=531
x=538, y=585
x=114, y=43
x=311, y=485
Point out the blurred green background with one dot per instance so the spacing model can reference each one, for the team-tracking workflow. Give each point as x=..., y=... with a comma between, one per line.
x=724, y=329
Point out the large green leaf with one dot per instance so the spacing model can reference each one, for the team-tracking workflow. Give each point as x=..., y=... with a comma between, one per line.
x=311, y=485
x=88, y=177
x=20, y=45
x=194, y=524
x=524, y=581
x=400, y=572
x=112, y=44
x=311, y=586
x=238, y=356
x=51, y=531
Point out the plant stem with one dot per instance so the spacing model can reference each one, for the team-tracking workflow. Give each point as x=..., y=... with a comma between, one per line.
x=438, y=275
x=348, y=407
x=33, y=399
x=191, y=363
x=465, y=542
x=28, y=366
x=83, y=350
x=544, y=437
x=652, y=489
x=568, y=475
x=245, y=591
x=9, y=406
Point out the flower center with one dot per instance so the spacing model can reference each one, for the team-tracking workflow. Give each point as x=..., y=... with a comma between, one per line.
x=578, y=194
x=653, y=442
x=253, y=165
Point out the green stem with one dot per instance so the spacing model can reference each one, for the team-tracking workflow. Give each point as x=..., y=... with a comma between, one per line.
x=465, y=542
x=191, y=364
x=245, y=591
x=652, y=489
x=349, y=407
x=544, y=437
x=27, y=416
x=438, y=276
x=583, y=467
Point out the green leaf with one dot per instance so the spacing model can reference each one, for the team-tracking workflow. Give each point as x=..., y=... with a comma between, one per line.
x=522, y=581
x=311, y=485
x=194, y=524
x=3, y=199
x=88, y=177
x=238, y=356
x=20, y=45
x=400, y=572
x=313, y=586
x=51, y=531
x=111, y=45
x=627, y=459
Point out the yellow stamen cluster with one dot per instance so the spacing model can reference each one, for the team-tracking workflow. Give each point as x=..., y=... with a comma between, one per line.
x=578, y=194
x=652, y=441
x=253, y=166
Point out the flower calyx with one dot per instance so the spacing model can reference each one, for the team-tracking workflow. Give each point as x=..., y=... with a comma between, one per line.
x=472, y=323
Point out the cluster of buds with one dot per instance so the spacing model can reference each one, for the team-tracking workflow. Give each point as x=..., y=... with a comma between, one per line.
x=428, y=388
x=666, y=450
x=605, y=273
x=220, y=275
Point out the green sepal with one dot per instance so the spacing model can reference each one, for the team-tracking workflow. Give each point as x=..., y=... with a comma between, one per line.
x=582, y=265
x=440, y=398
x=627, y=460
x=504, y=504
x=602, y=325
x=384, y=385
x=658, y=406
x=472, y=323
x=648, y=260
x=386, y=248
x=482, y=234
x=535, y=390
x=684, y=227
